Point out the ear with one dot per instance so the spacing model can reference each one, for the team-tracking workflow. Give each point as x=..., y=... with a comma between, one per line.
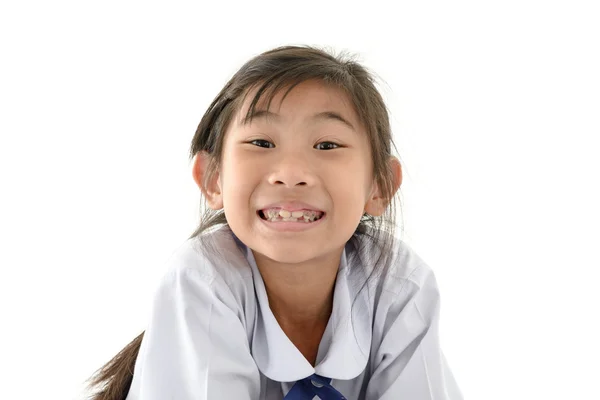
x=209, y=185
x=376, y=203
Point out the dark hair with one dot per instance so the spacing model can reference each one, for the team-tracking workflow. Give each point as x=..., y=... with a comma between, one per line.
x=270, y=72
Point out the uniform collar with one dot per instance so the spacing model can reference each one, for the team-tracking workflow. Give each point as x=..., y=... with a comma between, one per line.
x=344, y=348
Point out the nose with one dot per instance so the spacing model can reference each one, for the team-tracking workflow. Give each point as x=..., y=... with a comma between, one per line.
x=291, y=170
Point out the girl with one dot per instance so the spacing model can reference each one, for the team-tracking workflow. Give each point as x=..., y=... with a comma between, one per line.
x=293, y=286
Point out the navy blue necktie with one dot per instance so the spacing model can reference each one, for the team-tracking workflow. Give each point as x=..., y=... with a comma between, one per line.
x=314, y=385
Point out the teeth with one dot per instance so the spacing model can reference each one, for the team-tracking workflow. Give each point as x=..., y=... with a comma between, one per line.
x=275, y=215
x=272, y=214
x=284, y=213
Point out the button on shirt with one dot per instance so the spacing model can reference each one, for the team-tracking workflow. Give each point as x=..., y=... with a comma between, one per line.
x=211, y=333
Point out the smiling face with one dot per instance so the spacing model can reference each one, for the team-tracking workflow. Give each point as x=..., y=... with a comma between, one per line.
x=307, y=153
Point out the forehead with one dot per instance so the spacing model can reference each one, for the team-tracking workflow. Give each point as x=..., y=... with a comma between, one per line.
x=311, y=96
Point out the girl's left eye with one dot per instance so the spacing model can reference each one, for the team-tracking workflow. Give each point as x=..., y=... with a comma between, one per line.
x=326, y=146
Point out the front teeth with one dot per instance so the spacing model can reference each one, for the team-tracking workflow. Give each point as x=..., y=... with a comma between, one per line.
x=285, y=214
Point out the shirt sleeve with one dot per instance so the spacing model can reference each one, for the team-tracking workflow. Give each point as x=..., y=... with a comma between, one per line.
x=195, y=346
x=409, y=363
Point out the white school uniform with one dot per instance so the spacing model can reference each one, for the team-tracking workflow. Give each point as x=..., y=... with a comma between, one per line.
x=212, y=335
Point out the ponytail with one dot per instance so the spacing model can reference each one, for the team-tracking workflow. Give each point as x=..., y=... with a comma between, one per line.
x=115, y=377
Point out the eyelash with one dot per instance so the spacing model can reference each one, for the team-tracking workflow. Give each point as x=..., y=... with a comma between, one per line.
x=337, y=146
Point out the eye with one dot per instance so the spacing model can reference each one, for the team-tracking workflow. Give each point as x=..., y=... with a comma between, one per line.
x=262, y=143
x=327, y=146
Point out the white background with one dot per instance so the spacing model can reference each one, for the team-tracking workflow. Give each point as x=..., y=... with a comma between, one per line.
x=495, y=108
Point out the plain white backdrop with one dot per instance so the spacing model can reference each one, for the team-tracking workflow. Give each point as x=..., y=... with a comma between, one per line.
x=495, y=109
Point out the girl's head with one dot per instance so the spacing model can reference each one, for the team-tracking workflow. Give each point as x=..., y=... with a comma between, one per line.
x=297, y=128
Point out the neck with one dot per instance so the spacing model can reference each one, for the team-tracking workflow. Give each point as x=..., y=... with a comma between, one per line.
x=301, y=297
x=300, y=294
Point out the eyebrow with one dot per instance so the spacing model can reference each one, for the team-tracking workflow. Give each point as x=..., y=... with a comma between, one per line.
x=324, y=115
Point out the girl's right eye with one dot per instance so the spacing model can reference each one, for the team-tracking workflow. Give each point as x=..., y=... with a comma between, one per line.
x=262, y=143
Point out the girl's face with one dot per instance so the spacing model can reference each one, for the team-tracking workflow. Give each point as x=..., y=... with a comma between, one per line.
x=309, y=152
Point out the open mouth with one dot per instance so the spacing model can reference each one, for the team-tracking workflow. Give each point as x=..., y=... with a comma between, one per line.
x=281, y=215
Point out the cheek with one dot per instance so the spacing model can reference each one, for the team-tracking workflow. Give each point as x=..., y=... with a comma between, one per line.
x=358, y=177
x=350, y=193
x=238, y=178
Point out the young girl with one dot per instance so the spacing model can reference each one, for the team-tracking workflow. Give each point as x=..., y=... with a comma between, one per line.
x=293, y=286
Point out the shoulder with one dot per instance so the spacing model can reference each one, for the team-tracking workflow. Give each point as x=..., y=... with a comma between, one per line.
x=209, y=269
x=405, y=358
x=410, y=293
x=408, y=269
x=391, y=264
x=402, y=291
x=213, y=256
x=211, y=266
x=398, y=279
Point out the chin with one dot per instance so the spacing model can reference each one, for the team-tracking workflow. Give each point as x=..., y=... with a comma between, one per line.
x=284, y=255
